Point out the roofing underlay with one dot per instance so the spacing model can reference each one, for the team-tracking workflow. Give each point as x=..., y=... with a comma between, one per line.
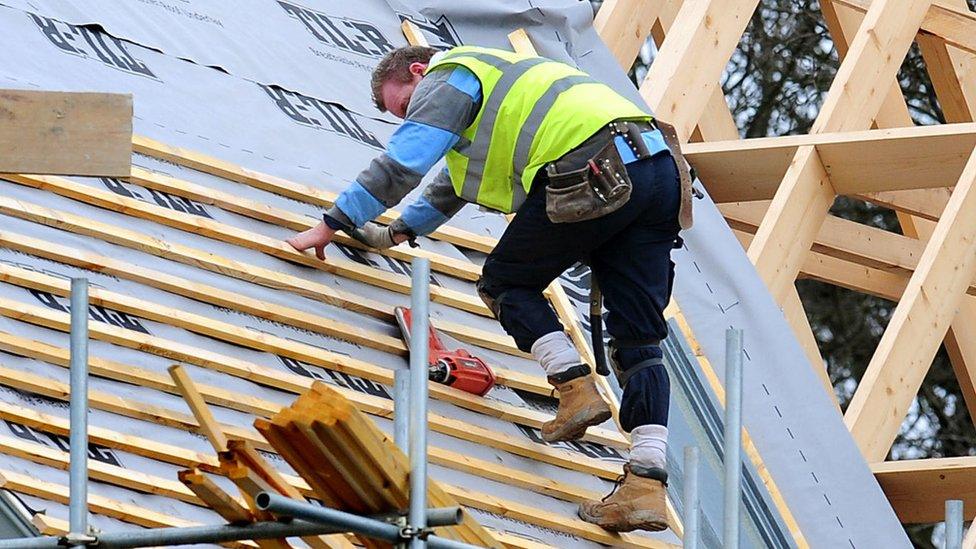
x=268, y=103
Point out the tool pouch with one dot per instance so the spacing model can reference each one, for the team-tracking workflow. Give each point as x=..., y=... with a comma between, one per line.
x=599, y=188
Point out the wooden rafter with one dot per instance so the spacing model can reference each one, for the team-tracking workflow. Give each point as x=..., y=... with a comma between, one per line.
x=683, y=78
x=801, y=201
x=955, y=95
x=955, y=24
x=918, y=324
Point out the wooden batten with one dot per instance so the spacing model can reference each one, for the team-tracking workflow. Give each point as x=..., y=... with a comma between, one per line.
x=290, y=189
x=243, y=238
x=240, y=336
x=459, y=268
x=248, y=273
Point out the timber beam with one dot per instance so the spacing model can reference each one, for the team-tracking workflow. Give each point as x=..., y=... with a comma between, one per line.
x=918, y=489
x=918, y=324
x=856, y=162
x=954, y=25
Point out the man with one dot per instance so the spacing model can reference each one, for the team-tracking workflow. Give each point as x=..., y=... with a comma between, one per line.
x=591, y=179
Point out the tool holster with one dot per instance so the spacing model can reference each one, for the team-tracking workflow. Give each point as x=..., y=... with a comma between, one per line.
x=601, y=186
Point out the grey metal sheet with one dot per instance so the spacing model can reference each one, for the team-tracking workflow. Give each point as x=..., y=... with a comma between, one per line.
x=279, y=111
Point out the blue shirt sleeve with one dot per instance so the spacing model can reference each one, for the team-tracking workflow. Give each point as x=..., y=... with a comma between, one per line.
x=443, y=105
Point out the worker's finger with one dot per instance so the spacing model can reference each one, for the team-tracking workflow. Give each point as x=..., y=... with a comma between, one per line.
x=320, y=252
x=302, y=241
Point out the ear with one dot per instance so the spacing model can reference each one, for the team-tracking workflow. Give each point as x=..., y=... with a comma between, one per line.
x=417, y=68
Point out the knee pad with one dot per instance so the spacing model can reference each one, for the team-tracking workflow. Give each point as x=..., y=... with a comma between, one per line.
x=625, y=372
x=492, y=300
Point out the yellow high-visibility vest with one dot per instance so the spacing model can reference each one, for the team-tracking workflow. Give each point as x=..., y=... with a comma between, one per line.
x=533, y=111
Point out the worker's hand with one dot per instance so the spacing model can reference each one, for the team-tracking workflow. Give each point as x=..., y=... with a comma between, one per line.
x=318, y=237
x=378, y=236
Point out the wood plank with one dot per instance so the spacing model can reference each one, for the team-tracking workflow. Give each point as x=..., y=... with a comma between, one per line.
x=267, y=342
x=215, y=497
x=956, y=26
x=839, y=272
x=918, y=325
x=918, y=489
x=242, y=271
x=199, y=408
x=799, y=207
x=370, y=404
x=853, y=242
x=120, y=510
x=181, y=457
x=117, y=371
x=690, y=62
x=341, y=433
x=297, y=191
x=52, y=526
x=803, y=198
x=67, y=133
x=624, y=25
x=922, y=203
x=243, y=303
x=239, y=237
x=99, y=471
x=953, y=74
x=413, y=34
x=100, y=400
x=460, y=268
x=715, y=122
x=857, y=162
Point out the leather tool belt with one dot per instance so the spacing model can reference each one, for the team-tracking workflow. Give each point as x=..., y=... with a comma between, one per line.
x=602, y=185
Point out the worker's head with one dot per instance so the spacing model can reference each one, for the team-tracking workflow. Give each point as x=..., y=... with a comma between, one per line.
x=395, y=78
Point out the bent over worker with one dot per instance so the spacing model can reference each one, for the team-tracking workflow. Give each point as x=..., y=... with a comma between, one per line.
x=591, y=178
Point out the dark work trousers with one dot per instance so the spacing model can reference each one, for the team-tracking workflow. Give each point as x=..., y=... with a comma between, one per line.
x=628, y=250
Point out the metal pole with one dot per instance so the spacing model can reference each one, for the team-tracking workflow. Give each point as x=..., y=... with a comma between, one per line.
x=78, y=436
x=155, y=537
x=401, y=409
x=281, y=505
x=953, y=524
x=733, y=436
x=690, y=538
x=419, y=305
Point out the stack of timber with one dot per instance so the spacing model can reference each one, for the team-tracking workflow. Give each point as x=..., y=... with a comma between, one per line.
x=350, y=464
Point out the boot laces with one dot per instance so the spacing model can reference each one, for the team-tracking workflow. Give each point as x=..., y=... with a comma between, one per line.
x=616, y=484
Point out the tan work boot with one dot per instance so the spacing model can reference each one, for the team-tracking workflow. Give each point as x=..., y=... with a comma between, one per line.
x=580, y=405
x=636, y=503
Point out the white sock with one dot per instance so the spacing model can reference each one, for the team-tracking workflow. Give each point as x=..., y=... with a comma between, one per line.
x=555, y=352
x=649, y=446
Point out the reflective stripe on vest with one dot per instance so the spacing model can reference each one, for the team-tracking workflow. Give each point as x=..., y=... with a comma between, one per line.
x=477, y=171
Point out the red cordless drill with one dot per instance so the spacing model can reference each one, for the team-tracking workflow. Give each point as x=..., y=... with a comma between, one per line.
x=456, y=368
